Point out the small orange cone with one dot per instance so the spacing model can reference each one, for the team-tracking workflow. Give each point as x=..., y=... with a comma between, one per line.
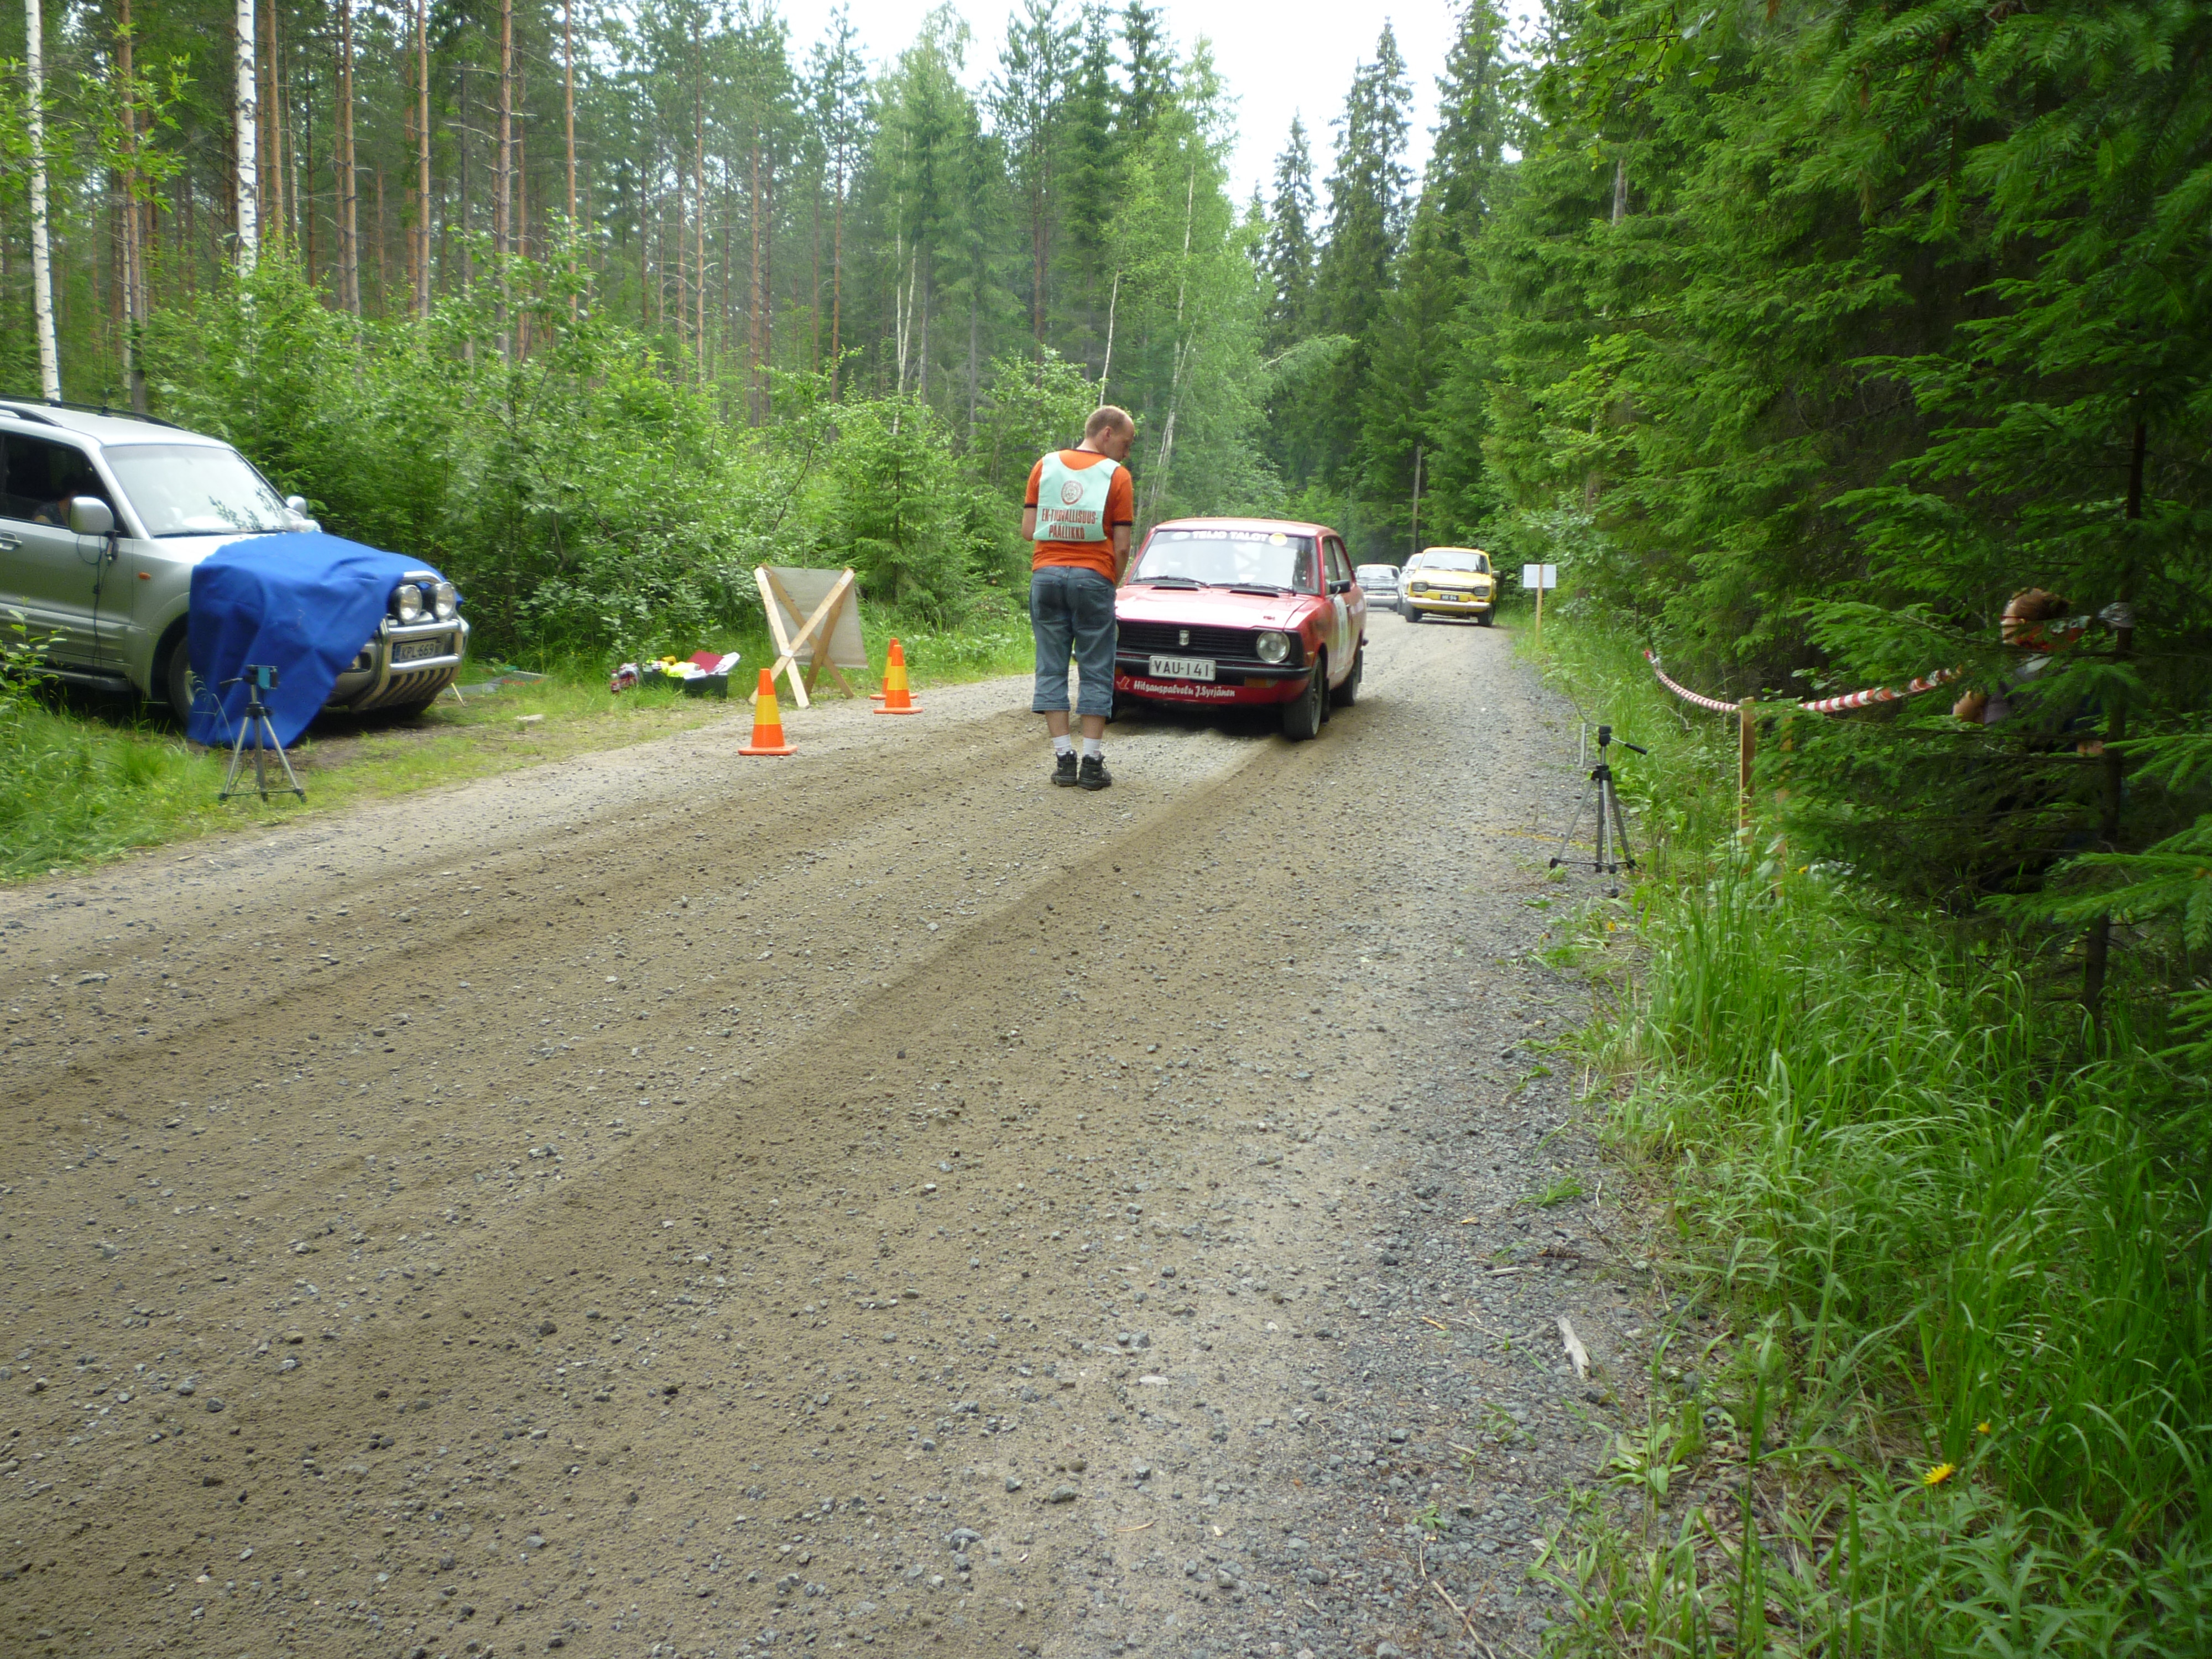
x=768, y=722
x=897, y=700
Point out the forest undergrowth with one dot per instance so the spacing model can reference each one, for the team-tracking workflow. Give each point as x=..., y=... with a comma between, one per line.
x=1953, y=1234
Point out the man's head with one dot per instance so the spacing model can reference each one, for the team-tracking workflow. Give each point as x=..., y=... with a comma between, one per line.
x=2027, y=612
x=1111, y=432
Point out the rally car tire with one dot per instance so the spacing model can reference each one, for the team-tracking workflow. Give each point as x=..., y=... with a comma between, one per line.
x=1304, y=714
x=1345, y=694
x=1411, y=614
x=1488, y=618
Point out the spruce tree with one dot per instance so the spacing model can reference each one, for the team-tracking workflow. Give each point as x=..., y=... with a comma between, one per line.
x=1287, y=255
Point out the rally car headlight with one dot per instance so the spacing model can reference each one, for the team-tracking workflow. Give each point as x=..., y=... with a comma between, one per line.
x=1274, y=646
x=445, y=600
x=407, y=603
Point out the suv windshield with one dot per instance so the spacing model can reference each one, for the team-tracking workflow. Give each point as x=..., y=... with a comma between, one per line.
x=1478, y=563
x=197, y=489
x=1226, y=558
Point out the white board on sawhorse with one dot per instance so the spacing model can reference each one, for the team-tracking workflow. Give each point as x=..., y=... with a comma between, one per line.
x=814, y=617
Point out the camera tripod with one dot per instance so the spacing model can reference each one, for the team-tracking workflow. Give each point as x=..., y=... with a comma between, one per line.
x=1612, y=852
x=255, y=724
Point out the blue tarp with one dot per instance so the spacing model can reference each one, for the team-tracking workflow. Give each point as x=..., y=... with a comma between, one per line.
x=306, y=603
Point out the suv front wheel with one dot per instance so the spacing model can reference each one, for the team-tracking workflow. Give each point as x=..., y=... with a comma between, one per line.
x=177, y=683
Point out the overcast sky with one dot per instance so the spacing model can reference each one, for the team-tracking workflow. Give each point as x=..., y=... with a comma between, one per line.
x=1280, y=58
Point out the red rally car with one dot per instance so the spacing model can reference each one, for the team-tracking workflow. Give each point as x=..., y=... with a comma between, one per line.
x=1243, y=611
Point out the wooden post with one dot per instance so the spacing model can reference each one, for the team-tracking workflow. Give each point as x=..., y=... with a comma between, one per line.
x=1747, y=715
x=1540, y=605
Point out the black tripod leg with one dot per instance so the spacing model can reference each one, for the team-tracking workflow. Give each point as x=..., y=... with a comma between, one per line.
x=1620, y=830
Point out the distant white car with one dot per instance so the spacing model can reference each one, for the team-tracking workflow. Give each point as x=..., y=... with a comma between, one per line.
x=1380, y=583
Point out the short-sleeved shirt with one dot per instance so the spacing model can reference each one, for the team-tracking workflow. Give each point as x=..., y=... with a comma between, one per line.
x=1121, y=509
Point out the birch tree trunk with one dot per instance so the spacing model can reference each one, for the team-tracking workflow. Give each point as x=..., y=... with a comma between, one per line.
x=247, y=122
x=42, y=258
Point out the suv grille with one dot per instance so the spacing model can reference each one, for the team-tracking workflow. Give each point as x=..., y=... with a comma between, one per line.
x=1234, y=643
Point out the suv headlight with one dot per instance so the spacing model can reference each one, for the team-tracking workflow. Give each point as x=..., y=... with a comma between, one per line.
x=445, y=600
x=407, y=603
x=1272, y=647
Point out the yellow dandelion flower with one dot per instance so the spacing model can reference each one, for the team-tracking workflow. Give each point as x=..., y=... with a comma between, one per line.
x=1981, y=1428
x=1939, y=1474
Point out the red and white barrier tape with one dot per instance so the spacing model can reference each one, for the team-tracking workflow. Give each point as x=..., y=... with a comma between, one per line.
x=1684, y=693
x=1880, y=694
x=1826, y=705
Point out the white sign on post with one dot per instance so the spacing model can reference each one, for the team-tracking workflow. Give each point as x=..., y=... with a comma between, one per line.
x=1539, y=577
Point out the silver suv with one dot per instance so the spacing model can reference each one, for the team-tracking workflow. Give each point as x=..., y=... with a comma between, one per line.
x=102, y=517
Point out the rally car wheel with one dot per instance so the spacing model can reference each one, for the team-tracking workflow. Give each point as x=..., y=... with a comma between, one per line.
x=1346, y=693
x=1411, y=614
x=1304, y=713
x=1488, y=618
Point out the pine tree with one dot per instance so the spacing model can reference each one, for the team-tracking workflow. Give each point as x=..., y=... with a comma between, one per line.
x=1028, y=103
x=1287, y=256
x=1367, y=193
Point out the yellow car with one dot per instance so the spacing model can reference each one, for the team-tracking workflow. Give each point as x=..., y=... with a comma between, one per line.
x=1449, y=582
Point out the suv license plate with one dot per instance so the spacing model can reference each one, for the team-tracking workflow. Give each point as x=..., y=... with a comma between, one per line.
x=1183, y=668
x=415, y=650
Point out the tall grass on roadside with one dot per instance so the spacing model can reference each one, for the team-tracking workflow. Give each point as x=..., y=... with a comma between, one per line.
x=1969, y=1275
x=75, y=791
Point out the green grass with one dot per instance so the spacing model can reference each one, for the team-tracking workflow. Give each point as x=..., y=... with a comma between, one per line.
x=85, y=780
x=1942, y=1229
x=1559, y=1192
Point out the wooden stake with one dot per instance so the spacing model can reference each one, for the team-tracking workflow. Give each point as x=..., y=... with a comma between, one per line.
x=1746, y=745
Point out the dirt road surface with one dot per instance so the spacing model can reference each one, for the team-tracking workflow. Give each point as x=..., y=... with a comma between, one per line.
x=666, y=1203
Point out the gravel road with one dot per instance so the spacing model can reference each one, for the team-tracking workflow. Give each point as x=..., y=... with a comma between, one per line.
x=664, y=1203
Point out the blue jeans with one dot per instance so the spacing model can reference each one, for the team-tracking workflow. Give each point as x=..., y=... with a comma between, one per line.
x=1071, y=612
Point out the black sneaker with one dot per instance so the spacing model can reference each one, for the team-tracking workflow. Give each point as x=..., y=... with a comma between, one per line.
x=1063, y=769
x=1095, y=774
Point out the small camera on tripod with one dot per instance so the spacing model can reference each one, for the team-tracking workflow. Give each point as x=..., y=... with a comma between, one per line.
x=255, y=728
x=1611, y=852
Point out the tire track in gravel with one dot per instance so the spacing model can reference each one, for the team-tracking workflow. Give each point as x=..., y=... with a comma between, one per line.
x=600, y=1266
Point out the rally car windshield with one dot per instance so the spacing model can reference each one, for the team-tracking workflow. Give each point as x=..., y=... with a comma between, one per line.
x=197, y=489
x=1229, y=559
x=1477, y=563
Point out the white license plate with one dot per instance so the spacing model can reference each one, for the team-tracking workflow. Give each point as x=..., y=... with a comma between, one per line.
x=1183, y=668
x=415, y=650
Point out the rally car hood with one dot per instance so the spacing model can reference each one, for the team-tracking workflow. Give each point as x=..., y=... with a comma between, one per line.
x=1213, y=607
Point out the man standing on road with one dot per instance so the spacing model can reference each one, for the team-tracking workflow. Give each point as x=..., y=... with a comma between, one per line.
x=1077, y=515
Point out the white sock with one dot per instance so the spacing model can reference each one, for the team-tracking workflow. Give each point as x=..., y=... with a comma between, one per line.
x=1094, y=748
x=1063, y=745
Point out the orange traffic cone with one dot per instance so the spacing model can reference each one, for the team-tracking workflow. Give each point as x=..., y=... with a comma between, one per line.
x=768, y=722
x=897, y=700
